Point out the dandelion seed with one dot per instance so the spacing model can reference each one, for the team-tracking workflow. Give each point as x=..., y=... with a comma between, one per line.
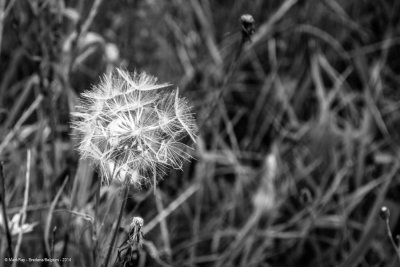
x=132, y=127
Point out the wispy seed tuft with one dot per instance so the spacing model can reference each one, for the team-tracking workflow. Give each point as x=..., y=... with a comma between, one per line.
x=133, y=128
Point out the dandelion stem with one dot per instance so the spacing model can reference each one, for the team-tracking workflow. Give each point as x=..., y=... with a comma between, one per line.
x=110, y=249
x=3, y=202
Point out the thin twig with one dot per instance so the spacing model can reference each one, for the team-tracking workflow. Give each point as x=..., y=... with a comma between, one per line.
x=111, y=247
x=24, y=206
x=3, y=204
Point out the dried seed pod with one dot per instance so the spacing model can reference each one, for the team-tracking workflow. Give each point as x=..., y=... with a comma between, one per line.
x=135, y=231
x=248, y=26
x=384, y=213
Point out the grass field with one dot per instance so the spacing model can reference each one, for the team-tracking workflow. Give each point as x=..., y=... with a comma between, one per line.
x=296, y=153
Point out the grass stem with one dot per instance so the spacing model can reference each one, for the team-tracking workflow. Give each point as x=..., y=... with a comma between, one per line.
x=96, y=221
x=389, y=233
x=25, y=205
x=3, y=204
x=114, y=237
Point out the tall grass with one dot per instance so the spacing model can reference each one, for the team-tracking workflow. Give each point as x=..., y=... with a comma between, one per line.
x=292, y=167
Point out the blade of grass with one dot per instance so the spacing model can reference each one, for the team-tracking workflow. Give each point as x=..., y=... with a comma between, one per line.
x=50, y=216
x=163, y=225
x=171, y=207
x=19, y=123
x=14, y=112
x=207, y=32
x=24, y=206
x=114, y=237
x=2, y=17
x=3, y=204
x=265, y=28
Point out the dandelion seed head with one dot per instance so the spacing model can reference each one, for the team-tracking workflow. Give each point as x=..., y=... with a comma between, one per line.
x=132, y=127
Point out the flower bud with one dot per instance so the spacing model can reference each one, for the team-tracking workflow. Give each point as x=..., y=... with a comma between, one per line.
x=384, y=213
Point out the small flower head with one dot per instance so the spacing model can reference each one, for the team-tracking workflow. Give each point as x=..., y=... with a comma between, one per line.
x=384, y=213
x=132, y=127
x=136, y=232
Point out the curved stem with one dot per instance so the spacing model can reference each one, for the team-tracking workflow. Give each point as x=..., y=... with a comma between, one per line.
x=110, y=249
x=389, y=232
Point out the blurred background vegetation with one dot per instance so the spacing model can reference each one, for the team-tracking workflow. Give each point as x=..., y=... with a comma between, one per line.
x=299, y=137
